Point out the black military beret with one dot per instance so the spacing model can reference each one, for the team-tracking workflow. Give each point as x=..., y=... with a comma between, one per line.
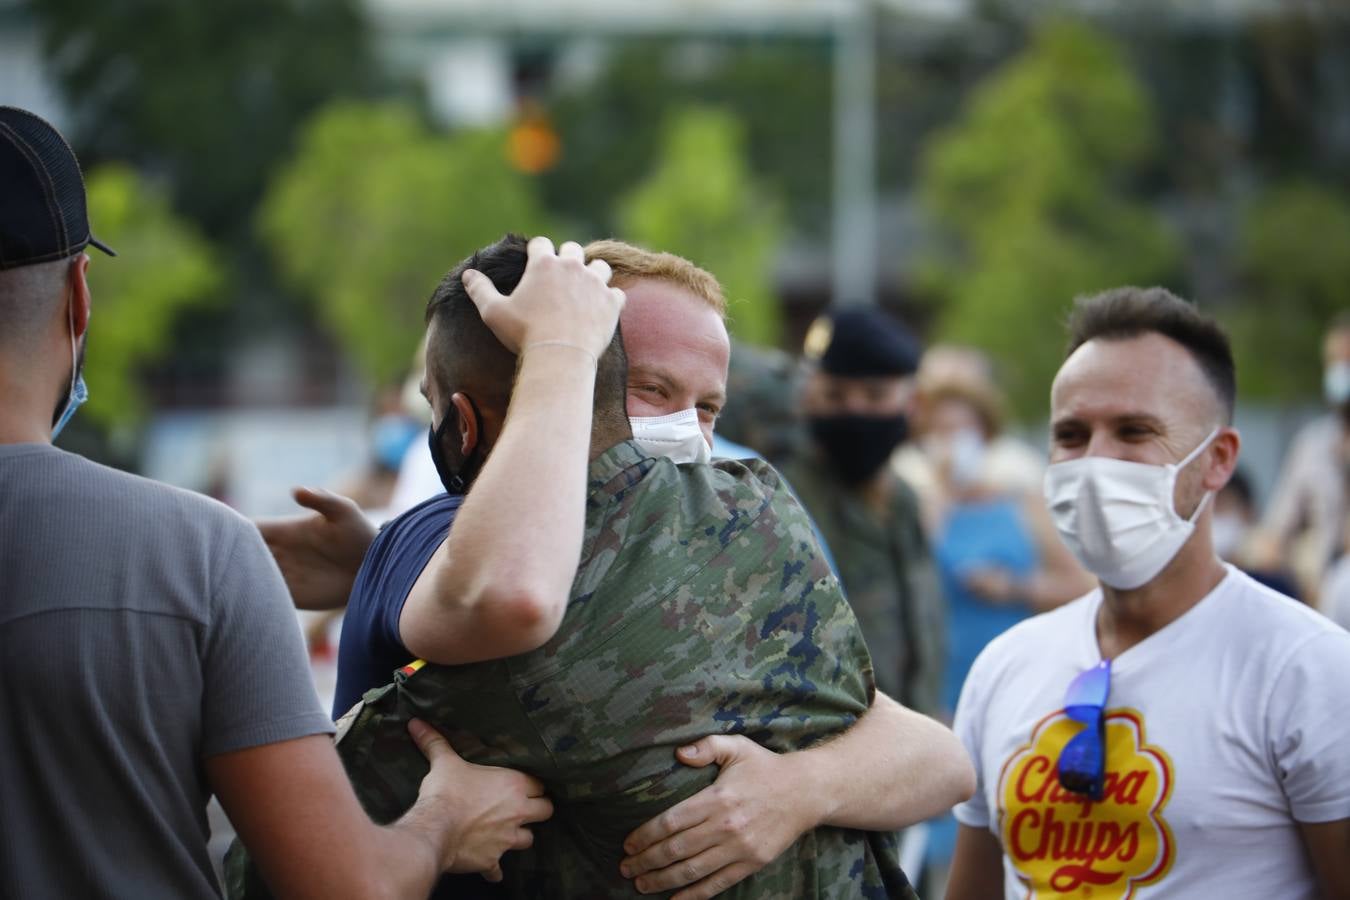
x=861, y=342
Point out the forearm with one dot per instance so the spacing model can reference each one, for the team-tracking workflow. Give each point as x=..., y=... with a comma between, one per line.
x=480, y=597
x=407, y=854
x=892, y=769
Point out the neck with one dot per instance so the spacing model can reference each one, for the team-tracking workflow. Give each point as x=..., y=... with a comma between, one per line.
x=1128, y=617
x=603, y=437
x=26, y=413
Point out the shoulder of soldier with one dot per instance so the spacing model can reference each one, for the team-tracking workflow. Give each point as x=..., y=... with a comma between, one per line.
x=723, y=489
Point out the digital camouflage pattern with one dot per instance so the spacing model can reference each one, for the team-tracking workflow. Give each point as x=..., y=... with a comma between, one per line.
x=701, y=605
x=888, y=574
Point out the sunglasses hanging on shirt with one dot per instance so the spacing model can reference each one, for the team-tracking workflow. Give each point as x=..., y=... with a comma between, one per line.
x=1082, y=762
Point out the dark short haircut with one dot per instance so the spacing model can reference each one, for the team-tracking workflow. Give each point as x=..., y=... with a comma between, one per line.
x=464, y=355
x=1129, y=312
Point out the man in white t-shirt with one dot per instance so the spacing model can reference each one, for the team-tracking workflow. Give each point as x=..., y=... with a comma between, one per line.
x=1202, y=748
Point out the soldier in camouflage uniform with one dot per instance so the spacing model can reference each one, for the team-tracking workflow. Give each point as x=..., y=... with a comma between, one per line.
x=762, y=387
x=855, y=400
x=701, y=605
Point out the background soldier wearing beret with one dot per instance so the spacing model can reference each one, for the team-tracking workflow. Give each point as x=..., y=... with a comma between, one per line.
x=856, y=400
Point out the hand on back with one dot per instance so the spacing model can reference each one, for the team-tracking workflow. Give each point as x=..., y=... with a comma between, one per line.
x=726, y=832
x=491, y=806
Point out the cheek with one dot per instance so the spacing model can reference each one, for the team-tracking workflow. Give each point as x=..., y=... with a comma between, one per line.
x=707, y=432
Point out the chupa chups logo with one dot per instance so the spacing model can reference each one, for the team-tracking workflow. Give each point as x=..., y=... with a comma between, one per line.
x=1065, y=845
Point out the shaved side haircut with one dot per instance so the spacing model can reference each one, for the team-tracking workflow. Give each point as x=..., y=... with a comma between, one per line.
x=29, y=295
x=464, y=355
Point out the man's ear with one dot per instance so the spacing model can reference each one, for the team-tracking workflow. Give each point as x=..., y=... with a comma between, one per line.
x=1224, y=457
x=78, y=288
x=469, y=437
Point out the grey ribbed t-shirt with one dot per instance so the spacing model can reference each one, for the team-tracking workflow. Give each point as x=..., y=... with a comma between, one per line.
x=142, y=629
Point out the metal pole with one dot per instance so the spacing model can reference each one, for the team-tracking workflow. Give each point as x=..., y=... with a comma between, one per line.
x=855, y=213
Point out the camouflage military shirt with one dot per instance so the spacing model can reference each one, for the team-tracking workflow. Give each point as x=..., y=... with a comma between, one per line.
x=701, y=605
x=888, y=574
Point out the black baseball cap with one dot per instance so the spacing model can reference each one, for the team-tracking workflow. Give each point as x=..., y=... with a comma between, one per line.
x=42, y=205
x=862, y=342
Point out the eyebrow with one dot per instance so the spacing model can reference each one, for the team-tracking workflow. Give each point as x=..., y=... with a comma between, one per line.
x=1130, y=418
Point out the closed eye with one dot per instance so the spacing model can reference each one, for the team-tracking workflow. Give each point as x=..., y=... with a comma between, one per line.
x=1069, y=437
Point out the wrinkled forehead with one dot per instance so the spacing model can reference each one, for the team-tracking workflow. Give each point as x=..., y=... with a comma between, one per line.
x=1149, y=375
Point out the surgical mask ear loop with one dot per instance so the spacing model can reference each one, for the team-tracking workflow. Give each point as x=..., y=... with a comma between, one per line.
x=1190, y=458
x=76, y=394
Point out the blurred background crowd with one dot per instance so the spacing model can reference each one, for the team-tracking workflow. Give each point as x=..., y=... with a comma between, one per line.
x=286, y=180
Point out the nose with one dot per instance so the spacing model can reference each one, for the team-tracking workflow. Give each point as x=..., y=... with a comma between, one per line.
x=1095, y=444
x=1100, y=443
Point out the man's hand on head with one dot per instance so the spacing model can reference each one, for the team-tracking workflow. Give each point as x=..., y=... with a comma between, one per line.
x=729, y=830
x=561, y=299
x=319, y=553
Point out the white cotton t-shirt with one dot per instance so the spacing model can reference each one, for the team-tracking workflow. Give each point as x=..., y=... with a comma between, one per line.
x=1224, y=730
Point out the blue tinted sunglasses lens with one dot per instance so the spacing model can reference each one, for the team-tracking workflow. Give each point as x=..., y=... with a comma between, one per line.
x=1082, y=763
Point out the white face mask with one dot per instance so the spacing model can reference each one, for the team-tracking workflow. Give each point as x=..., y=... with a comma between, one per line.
x=1336, y=383
x=967, y=457
x=1117, y=517
x=677, y=436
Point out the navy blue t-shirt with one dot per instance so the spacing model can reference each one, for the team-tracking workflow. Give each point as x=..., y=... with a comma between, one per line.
x=371, y=648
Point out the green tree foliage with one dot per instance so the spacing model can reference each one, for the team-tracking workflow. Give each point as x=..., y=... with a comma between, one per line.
x=163, y=267
x=372, y=211
x=207, y=94
x=1033, y=188
x=1295, y=278
x=612, y=128
x=701, y=202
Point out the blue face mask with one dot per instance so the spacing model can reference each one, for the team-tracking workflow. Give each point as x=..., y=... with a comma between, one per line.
x=391, y=438
x=78, y=394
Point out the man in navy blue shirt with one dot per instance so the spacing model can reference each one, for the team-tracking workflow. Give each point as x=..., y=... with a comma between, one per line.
x=371, y=647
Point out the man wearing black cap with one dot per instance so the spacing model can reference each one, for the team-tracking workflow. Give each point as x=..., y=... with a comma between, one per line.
x=856, y=400
x=148, y=654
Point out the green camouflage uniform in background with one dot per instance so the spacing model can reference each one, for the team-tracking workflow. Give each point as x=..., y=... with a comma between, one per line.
x=761, y=408
x=701, y=606
x=889, y=577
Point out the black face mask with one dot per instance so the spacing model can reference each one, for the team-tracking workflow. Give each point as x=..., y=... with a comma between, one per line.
x=456, y=482
x=858, y=446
